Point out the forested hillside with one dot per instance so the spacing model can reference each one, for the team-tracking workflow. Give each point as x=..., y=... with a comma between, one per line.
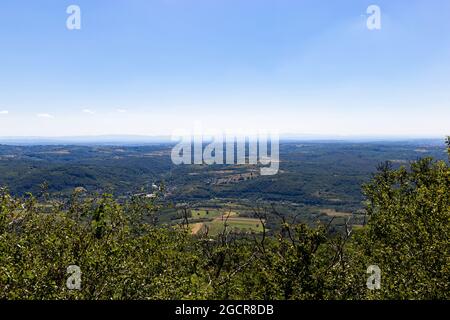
x=123, y=253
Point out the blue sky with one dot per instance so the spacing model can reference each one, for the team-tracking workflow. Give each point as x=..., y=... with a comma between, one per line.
x=153, y=66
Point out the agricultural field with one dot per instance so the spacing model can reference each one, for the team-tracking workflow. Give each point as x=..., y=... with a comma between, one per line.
x=205, y=213
x=215, y=221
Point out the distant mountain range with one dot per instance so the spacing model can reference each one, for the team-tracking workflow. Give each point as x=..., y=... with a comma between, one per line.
x=149, y=140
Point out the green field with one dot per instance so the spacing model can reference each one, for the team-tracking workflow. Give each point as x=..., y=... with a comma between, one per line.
x=205, y=213
x=215, y=220
x=241, y=225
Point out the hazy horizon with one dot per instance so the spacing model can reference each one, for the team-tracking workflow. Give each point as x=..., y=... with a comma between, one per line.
x=148, y=139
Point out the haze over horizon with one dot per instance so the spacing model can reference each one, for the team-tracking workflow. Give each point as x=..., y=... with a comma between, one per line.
x=150, y=68
x=145, y=139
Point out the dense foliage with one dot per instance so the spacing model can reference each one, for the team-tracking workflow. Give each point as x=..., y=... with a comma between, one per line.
x=314, y=174
x=124, y=254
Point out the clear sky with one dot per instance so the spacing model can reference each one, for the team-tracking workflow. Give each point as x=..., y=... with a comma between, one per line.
x=149, y=67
